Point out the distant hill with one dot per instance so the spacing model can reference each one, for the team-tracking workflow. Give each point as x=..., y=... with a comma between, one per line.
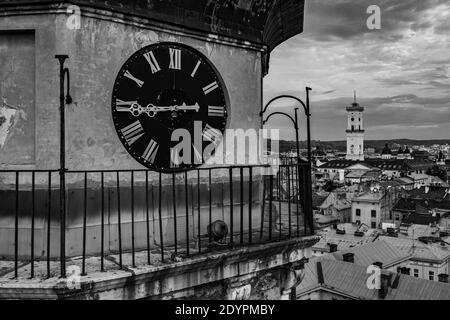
x=342, y=145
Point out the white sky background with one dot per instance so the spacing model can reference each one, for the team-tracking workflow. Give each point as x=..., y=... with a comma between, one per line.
x=401, y=73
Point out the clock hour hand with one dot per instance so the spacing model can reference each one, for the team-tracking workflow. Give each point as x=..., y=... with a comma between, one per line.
x=136, y=109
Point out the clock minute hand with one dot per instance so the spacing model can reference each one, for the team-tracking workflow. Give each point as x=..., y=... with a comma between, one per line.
x=151, y=110
x=185, y=107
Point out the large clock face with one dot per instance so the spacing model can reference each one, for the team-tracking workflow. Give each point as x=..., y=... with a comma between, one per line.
x=161, y=89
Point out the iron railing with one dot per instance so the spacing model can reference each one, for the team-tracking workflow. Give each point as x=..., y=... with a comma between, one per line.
x=134, y=217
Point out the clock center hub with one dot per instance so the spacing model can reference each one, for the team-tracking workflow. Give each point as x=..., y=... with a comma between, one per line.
x=177, y=107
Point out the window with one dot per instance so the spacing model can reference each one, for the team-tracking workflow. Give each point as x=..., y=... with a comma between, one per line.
x=416, y=273
x=431, y=275
x=374, y=225
x=373, y=213
x=358, y=212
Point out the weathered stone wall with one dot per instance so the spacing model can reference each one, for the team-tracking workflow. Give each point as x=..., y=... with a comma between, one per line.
x=97, y=51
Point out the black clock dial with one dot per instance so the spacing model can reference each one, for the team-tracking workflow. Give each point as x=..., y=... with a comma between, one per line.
x=162, y=88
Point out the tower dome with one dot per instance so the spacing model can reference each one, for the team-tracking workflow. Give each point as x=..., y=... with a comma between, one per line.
x=386, y=150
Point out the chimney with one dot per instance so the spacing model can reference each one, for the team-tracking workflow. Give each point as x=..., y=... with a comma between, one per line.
x=443, y=278
x=349, y=257
x=385, y=284
x=405, y=270
x=378, y=264
x=333, y=247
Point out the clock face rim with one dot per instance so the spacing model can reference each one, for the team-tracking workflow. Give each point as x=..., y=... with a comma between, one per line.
x=218, y=77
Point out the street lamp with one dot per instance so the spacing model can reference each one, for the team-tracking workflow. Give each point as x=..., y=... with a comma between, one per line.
x=307, y=205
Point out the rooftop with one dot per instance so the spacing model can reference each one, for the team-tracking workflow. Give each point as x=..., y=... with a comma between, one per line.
x=378, y=251
x=419, y=250
x=369, y=197
x=344, y=241
x=350, y=281
x=435, y=193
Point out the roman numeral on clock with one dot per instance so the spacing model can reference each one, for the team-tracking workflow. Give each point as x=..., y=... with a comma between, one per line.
x=210, y=88
x=151, y=151
x=140, y=83
x=133, y=132
x=175, y=59
x=150, y=57
x=214, y=111
x=195, y=69
x=124, y=106
x=211, y=134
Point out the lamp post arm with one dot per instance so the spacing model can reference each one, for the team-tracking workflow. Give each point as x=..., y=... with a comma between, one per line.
x=283, y=114
x=285, y=97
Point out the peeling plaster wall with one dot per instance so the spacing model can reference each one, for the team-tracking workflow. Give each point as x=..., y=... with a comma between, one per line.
x=17, y=107
x=97, y=51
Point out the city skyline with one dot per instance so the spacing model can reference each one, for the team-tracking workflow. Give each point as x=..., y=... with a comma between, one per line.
x=401, y=73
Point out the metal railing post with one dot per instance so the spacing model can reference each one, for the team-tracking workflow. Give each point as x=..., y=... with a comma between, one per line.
x=63, y=99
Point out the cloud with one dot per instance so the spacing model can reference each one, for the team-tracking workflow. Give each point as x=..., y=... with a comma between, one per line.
x=401, y=73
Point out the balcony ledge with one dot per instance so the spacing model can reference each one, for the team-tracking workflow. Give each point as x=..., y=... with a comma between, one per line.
x=162, y=279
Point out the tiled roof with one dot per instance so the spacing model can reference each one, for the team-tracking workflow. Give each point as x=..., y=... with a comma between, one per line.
x=417, y=218
x=420, y=164
x=340, y=203
x=410, y=204
x=317, y=200
x=378, y=251
x=419, y=250
x=383, y=164
x=387, y=164
x=405, y=204
x=369, y=196
x=390, y=183
x=435, y=193
x=405, y=180
x=350, y=280
x=337, y=164
x=344, y=241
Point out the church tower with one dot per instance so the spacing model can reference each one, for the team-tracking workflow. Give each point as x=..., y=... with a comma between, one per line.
x=355, y=132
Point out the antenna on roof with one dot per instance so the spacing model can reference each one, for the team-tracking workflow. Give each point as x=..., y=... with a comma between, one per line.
x=354, y=96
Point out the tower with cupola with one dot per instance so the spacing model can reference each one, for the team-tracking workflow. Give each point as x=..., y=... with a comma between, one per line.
x=355, y=132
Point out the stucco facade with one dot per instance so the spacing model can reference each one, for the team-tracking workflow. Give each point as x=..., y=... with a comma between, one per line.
x=97, y=50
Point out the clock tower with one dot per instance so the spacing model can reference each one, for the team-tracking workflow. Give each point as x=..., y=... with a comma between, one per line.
x=355, y=132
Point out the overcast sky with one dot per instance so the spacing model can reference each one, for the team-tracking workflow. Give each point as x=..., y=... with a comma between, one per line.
x=401, y=73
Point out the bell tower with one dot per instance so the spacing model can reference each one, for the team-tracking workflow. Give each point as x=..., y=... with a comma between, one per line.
x=355, y=131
